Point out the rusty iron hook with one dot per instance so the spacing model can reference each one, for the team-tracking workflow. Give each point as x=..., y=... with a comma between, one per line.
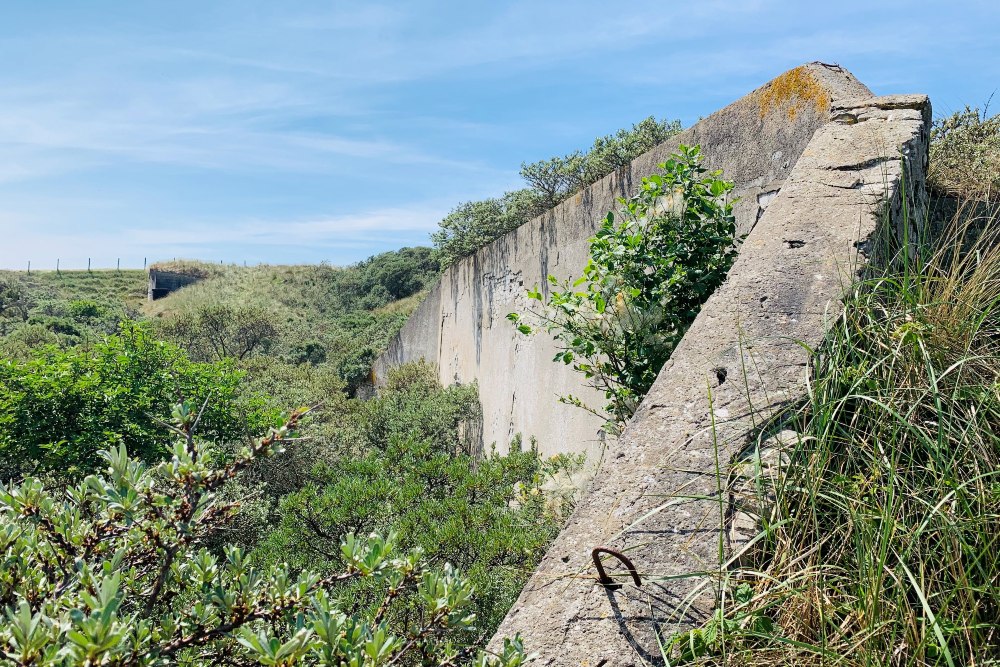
x=603, y=577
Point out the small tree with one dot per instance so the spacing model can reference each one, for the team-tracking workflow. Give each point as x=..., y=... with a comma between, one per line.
x=650, y=270
x=219, y=331
x=60, y=407
x=472, y=225
x=110, y=572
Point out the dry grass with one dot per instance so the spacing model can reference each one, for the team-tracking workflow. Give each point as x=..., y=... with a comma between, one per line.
x=884, y=544
x=192, y=267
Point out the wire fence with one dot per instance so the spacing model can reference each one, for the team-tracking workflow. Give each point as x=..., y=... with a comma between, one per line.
x=92, y=266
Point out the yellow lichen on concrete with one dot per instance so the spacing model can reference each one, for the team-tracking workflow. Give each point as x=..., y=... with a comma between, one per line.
x=793, y=90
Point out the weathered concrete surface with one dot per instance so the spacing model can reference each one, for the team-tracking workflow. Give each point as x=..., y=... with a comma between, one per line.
x=462, y=325
x=657, y=496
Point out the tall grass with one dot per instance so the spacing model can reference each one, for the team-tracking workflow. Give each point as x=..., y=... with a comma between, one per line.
x=881, y=543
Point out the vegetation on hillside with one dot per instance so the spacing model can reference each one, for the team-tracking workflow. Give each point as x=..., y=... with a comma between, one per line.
x=65, y=308
x=112, y=571
x=340, y=318
x=181, y=554
x=474, y=224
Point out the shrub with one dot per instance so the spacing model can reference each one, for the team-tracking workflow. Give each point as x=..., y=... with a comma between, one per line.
x=214, y=332
x=62, y=406
x=650, y=270
x=965, y=155
x=472, y=225
x=412, y=404
x=24, y=338
x=85, y=309
x=480, y=516
x=111, y=573
x=400, y=273
x=13, y=299
x=402, y=462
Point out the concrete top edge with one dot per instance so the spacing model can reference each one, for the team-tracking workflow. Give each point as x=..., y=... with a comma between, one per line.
x=917, y=102
x=828, y=85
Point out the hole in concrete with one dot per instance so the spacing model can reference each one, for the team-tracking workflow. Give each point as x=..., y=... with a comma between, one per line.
x=765, y=198
x=795, y=243
x=565, y=559
x=720, y=374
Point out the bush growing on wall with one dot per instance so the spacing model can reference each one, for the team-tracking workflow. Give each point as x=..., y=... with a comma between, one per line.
x=650, y=270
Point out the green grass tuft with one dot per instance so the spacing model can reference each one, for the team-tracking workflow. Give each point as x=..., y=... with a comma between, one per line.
x=883, y=543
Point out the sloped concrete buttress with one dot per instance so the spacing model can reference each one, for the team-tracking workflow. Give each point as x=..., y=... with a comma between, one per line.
x=462, y=328
x=657, y=496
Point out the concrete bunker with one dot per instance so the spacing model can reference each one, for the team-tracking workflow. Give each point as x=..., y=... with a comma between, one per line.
x=162, y=283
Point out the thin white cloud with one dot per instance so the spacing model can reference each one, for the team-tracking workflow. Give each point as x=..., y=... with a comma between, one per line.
x=364, y=229
x=377, y=98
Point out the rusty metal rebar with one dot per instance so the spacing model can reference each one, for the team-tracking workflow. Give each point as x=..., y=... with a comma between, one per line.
x=602, y=575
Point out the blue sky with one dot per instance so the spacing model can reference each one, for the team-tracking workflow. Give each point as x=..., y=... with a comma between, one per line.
x=329, y=131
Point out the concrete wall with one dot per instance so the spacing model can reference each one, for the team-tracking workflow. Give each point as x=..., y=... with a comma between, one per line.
x=656, y=496
x=462, y=325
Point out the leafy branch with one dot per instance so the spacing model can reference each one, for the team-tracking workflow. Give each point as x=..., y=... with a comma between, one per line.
x=651, y=268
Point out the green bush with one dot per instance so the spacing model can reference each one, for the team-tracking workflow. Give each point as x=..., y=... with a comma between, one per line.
x=412, y=404
x=650, y=270
x=477, y=515
x=59, y=408
x=14, y=300
x=398, y=274
x=85, y=309
x=21, y=340
x=110, y=572
x=401, y=463
x=472, y=225
x=218, y=331
x=965, y=155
